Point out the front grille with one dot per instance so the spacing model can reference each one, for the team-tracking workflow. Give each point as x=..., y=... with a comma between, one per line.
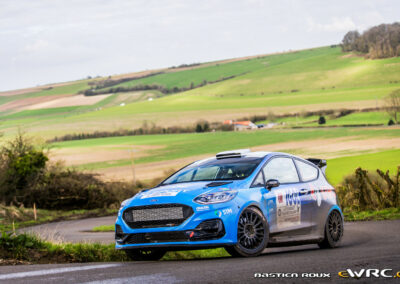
x=161, y=215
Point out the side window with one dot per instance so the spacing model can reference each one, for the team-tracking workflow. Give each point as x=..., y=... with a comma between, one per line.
x=307, y=171
x=259, y=181
x=282, y=169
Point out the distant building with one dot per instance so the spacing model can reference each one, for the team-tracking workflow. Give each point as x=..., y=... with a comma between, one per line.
x=270, y=125
x=241, y=125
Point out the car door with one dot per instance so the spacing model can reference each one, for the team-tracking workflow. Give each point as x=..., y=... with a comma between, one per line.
x=289, y=215
x=312, y=197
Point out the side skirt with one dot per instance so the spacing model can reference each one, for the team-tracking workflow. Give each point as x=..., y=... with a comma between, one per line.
x=288, y=243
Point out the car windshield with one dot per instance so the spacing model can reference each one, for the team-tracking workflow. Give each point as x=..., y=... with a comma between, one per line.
x=216, y=170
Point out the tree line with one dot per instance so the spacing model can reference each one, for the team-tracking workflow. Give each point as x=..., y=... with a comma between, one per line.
x=380, y=41
x=146, y=87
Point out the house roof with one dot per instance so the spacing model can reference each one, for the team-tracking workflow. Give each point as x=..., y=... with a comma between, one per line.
x=244, y=123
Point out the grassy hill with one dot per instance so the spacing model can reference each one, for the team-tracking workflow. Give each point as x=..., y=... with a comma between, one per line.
x=321, y=78
x=295, y=82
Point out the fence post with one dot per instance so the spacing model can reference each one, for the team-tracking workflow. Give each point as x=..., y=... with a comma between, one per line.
x=34, y=211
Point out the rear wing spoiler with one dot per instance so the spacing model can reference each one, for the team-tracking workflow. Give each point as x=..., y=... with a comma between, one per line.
x=320, y=163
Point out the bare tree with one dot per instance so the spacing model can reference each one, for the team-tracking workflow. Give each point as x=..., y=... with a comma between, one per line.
x=349, y=41
x=380, y=41
x=392, y=102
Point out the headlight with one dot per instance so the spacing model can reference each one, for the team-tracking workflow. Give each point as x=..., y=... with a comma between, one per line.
x=215, y=197
x=123, y=203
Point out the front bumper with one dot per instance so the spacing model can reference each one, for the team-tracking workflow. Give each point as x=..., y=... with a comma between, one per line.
x=209, y=226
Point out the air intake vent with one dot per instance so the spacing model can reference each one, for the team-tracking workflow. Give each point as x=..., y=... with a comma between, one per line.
x=232, y=154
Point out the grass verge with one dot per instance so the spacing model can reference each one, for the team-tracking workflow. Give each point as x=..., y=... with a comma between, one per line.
x=30, y=249
x=104, y=228
x=369, y=215
x=27, y=249
x=24, y=217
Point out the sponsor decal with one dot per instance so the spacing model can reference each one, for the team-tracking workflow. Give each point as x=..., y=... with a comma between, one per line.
x=313, y=194
x=159, y=193
x=227, y=211
x=288, y=207
x=280, y=198
x=203, y=208
x=224, y=212
x=369, y=273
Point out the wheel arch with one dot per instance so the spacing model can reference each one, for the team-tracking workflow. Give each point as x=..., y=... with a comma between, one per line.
x=334, y=208
x=248, y=205
x=324, y=219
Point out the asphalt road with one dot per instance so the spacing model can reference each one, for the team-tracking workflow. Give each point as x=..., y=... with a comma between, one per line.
x=75, y=231
x=365, y=245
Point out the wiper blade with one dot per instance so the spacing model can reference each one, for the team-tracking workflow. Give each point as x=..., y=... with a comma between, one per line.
x=217, y=183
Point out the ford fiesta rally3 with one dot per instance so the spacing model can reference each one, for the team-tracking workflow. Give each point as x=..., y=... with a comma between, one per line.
x=241, y=200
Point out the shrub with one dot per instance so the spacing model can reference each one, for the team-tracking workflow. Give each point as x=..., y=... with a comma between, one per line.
x=70, y=189
x=367, y=191
x=391, y=122
x=321, y=120
x=21, y=165
x=26, y=178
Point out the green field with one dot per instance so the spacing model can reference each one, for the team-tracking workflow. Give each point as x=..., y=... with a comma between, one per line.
x=301, y=71
x=291, y=79
x=282, y=84
x=360, y=118
x=385, y=160
x=357, y=118
x=197, y=76
x=69, y=88
x=320, y=78
x=175, y=146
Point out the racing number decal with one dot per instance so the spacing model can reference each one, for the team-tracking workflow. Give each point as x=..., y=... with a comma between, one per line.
x=288, y=208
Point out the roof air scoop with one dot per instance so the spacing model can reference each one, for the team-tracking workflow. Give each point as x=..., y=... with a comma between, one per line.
x=232, y=154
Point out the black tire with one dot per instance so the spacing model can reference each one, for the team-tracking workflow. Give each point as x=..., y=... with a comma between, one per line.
x=252, y=234
x=145, y=254
x=333, y=231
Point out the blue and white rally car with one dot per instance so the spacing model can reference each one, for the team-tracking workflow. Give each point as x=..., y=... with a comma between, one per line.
x=241, y=200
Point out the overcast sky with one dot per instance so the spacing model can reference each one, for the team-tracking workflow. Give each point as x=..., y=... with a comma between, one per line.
x=45, y=41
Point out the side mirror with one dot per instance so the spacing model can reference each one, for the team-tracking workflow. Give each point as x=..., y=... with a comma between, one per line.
x=272, y=183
